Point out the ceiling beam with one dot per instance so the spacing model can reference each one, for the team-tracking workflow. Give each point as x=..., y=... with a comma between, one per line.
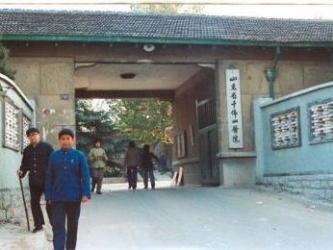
x=167, y=95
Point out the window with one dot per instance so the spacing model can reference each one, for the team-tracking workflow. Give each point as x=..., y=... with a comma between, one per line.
x=285, y=127
x=11, y=131
x=26, y=123
x=181, y=145
x=321, y=121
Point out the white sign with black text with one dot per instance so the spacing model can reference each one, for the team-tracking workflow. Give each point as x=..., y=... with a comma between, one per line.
x=234, y=109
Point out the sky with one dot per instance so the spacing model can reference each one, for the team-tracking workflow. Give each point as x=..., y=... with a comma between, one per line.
x=279, y=11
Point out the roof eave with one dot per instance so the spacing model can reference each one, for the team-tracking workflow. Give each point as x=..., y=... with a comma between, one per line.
x=157, y=40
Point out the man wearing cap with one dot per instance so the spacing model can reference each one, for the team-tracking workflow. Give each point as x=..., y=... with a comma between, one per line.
x=67, y=184
x=35, y=160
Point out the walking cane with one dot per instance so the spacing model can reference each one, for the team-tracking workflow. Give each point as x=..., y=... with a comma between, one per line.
x=25, y=204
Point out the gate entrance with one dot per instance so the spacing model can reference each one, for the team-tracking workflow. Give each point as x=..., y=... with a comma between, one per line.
x=181, y=74
x=208, y=142
x=189, y=87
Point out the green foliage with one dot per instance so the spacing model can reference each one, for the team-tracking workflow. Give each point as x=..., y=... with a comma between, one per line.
x=113, y=171
x=92, y=119
x=4, y=68
x=141, y=120
x=93, y=123
x=167, y=8
x=144, y=120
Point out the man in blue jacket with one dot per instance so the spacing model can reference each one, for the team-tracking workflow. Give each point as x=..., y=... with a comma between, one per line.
x=67, y=184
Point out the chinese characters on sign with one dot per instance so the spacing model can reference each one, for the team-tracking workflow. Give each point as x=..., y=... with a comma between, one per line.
x=12, y=126
x=321, y=121
x=285, y=129
x=234, y=109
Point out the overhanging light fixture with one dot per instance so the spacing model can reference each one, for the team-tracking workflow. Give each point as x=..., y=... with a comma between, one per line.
x=127, y=75
x=149, y=47
x=270, y=74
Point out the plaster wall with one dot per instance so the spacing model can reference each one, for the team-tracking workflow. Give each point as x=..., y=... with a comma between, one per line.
x=305, y=169
x=291, y=76
x=49, y=82
x=308, y=158
x=11, y=206
x=10, y=159
x=199, y=87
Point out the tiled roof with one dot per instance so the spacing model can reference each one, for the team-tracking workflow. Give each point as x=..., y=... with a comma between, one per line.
x=110, y=26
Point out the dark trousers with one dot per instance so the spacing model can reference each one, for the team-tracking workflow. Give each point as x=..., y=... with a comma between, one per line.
x=61, y=210
x=149, y=173
x=97, y=178
x=132, y=176
x=36, y=193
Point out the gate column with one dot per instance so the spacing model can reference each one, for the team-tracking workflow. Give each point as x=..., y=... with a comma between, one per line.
x=236, y=157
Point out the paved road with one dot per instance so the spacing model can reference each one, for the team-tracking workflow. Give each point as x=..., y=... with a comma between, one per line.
x=202, y=218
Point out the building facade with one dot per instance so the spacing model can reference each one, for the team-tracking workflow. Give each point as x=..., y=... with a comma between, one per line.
x=211, y=69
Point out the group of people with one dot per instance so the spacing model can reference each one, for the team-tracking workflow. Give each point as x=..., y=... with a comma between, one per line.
x=64, y=177
x=134, y=160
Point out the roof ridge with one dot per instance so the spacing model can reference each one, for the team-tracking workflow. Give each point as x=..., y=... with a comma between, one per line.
x=143, y=14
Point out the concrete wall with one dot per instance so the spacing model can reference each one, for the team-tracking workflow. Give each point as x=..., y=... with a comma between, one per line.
x=191, y=170
x=306, y=168
x=291, y=76
x=49, y=81
x=42, y=65
x=199, y=87
x=43, y=80
x=11, y=206
x=238, y=168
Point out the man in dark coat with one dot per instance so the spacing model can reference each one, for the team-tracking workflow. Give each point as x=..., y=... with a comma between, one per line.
x=35, y=160
x=148, y=167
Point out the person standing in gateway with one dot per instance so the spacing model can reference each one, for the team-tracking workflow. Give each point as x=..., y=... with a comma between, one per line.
x=148, y=167
x=67, y=184
x=35, y=160
x=97, y=157
x=131, y=162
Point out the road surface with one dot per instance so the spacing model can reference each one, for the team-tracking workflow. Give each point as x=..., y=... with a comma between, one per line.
x=201, y=218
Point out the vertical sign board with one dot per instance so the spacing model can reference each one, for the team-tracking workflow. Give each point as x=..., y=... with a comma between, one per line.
x=234, y=109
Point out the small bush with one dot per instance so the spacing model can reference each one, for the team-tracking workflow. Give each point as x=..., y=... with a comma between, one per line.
x=4, y=68
x=113, y=172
